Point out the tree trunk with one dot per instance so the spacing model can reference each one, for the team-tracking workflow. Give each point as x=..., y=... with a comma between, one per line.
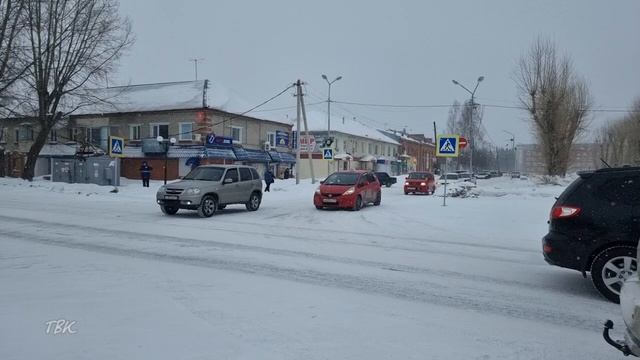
x=32, y=156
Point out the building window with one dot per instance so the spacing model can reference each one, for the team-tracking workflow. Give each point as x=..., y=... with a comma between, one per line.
x=344, y=146
x=370, y=148
x=97, y=136
x=134, y=132
x=53, y=136
x=186, y=131
x=75, y=134
x=24, y=133
x=271, y=138
x=376, y=150
x=236, y=133
x=3, y=135
x=160, y=130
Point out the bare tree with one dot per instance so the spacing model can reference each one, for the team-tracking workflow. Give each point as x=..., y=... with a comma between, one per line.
x=73, y=44
x=556, y=99
x=11, y=26
x=619, y=140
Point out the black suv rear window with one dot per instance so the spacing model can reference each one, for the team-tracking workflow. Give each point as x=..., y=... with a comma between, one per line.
x=564, y=197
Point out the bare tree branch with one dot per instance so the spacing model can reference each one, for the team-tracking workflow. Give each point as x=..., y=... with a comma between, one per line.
x=73, y=43
x=556, y=99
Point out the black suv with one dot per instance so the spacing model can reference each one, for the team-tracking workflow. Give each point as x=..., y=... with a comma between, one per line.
x=595, y=225
x=385, y=179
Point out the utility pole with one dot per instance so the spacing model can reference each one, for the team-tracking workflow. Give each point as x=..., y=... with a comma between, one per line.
x=195, y=64
x=306, y=129
x=298, y=86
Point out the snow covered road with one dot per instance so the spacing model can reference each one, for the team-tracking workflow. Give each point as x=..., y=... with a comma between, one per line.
x=408, y=279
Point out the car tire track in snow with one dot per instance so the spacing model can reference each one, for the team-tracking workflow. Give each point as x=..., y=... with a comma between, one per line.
x=102, y=241
x=154, y=238
x=338, y=238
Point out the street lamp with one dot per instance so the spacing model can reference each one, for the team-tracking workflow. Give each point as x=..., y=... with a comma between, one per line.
x=513, y=147
x=166, y=144
x=329, y=109
x=473, y=106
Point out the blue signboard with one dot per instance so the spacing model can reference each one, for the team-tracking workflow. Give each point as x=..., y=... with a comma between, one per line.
x=282, y=139
x=223, y=140
x=213, y=140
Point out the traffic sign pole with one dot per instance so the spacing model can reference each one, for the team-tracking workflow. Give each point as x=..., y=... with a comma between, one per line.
x=444, y=199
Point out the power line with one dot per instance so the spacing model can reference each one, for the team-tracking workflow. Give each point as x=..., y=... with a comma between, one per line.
x=461, y=105
x=237, y=115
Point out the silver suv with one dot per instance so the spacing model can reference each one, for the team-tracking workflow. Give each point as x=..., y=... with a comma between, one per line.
x=212, y=187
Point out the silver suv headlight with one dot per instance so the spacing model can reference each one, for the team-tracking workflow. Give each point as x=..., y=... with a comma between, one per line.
x=162, y=189
x=192, y=191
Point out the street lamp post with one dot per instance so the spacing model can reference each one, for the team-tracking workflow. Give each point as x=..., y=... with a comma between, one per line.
x=513, y=147
x=166, y=143
x=329, y=109
x=473, y=107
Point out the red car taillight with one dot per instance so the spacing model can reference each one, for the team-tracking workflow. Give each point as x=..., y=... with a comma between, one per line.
x=563, y=212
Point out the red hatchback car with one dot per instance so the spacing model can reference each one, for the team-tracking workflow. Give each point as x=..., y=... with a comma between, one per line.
x=348, y=190
x=420, y=182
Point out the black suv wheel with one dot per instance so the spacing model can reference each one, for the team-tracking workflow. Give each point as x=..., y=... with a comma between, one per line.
x=611, y=268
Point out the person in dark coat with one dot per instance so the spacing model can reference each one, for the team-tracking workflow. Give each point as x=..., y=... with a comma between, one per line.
x=268, y=179
x=286, y=173
x=145, y=173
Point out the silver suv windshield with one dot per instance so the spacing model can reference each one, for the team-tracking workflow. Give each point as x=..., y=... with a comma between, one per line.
x=205, y=173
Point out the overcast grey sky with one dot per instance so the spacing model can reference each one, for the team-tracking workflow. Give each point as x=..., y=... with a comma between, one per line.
x=388, y=52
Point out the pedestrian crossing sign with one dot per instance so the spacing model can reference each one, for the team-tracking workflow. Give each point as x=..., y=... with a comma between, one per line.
x=116, y=146
x=327, y=154
x=448, y=145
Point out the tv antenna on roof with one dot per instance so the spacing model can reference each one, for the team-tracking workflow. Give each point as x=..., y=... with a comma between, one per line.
x=195, y=64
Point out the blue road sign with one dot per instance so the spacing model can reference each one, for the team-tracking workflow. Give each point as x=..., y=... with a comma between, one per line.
x=116, y=146
x=448, y=146
x=327, y=154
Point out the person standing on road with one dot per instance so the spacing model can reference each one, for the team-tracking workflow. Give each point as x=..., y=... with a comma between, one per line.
x=268, y=179
x=145, y=173
x=286, y=173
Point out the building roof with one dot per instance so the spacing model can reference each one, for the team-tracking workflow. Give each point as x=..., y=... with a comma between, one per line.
x=400, y=136
x=182, y=95
x=317, y=121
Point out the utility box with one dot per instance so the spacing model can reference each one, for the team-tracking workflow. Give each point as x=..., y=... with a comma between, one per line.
x=101, y=170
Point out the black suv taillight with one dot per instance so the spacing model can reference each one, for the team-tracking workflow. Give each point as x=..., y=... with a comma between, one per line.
x=563, y=212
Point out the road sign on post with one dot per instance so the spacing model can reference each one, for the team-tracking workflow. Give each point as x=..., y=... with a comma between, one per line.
x=327, y=154
x=116, y=146
x=448, y=146
x=462, y=143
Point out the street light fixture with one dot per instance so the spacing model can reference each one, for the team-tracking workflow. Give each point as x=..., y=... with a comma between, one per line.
x=473, y=107
x=166, y=144
x=513, y=147
x=329, y=109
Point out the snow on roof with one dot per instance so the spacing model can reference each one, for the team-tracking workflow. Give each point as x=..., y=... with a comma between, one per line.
x=145, y=97
x=168, y=96
x=317, y=121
